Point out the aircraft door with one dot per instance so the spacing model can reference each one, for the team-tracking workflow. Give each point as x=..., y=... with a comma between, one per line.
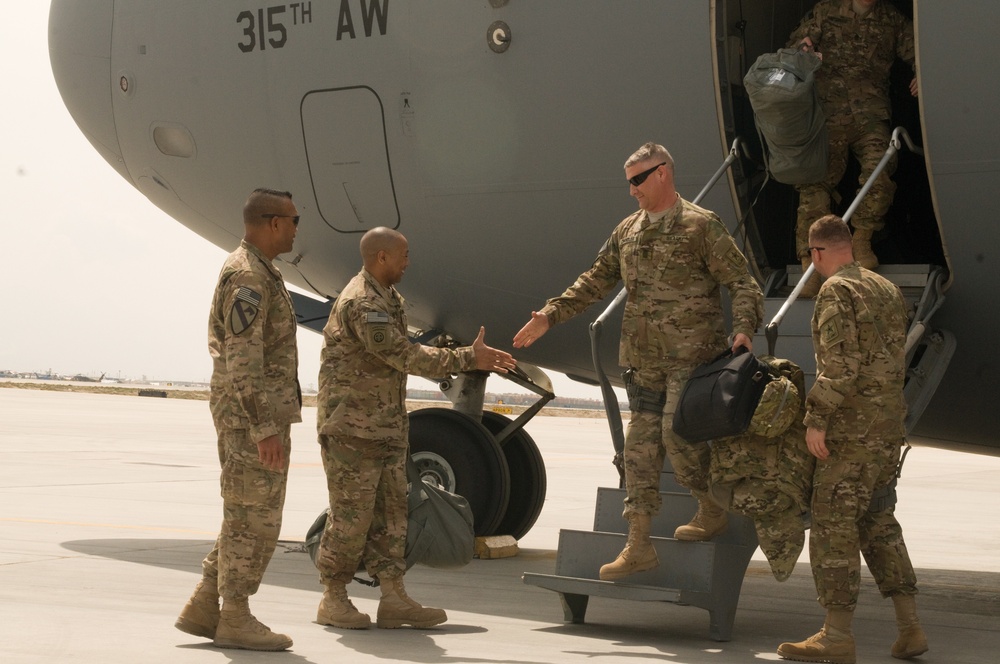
x=348, y=159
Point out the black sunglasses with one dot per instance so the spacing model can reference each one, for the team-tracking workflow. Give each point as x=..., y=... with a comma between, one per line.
x=639, y=178
x=295, y=218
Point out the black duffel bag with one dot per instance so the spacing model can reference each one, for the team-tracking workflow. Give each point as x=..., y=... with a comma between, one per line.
x=720, y=397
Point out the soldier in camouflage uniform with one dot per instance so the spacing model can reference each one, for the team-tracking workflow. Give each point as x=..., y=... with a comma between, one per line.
x=674, y=257
x=858, y=41
x=255, y=398
x=766, y=473
x=854, y=419
x=363, y=429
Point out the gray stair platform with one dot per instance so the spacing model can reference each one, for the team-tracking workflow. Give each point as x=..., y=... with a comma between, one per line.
x=708, y=575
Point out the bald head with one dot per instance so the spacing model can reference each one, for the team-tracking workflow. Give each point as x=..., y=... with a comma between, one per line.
x=385, y=254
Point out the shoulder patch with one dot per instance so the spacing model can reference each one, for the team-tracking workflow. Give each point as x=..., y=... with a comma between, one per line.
x=377, y=327
x=249, y=296
x=831, y=332
x=242, y=316
x=735, y=258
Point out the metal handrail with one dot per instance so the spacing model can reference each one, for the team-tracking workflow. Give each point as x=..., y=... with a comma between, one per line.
x=607, y=392
x=771, y=331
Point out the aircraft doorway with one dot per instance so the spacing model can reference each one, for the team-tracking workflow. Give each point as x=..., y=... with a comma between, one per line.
x=911, y=234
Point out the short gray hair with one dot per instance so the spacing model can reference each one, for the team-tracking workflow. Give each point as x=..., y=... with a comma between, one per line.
x=651, y=152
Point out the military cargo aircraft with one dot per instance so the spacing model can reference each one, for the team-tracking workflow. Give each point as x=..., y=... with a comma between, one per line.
x=492, y=133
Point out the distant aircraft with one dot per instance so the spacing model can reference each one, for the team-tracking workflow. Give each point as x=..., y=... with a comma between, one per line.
x=493, y=135
x=80, y=378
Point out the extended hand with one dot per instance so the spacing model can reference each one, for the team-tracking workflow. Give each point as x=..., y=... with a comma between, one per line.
x=534, y=328
x=491, y=359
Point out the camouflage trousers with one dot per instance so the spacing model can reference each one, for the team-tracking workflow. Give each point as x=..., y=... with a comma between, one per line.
x=366, y=480
x=868, y=142
x=252, y=499
x=843, y=528
x=650, y=440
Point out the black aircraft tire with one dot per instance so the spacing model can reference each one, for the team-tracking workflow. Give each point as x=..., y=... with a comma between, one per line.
x=453, y=448
x=527, y=478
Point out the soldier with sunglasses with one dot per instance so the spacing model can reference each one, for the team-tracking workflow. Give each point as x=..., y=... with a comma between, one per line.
x=674, y=258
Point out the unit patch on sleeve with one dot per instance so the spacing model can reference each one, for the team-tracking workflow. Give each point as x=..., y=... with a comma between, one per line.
x=831, y=332
x=377, y=325
x=245, y=308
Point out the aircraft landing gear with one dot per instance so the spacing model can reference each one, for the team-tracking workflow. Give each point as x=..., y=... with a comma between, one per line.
x=483, y=456
x=460, y=455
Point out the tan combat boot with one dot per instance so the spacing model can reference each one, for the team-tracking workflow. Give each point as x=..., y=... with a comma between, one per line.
x=337, y=610
x=911, y=641
x=833, y=644
x=812, y=286
x=638, y=554
x=710, y=520
x=861, y=243
x=396, y=609
x=239, y=629
x=200, y=616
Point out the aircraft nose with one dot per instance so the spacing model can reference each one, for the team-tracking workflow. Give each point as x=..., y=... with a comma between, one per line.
x=80, y=55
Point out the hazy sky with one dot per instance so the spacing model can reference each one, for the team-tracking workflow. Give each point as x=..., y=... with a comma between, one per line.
x=97, y=278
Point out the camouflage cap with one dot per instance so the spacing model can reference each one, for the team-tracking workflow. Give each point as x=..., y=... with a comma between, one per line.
x=777, y=408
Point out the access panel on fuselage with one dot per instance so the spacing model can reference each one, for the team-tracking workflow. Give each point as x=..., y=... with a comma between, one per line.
x=348, y=160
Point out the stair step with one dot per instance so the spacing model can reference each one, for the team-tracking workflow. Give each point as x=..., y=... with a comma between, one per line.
x=612, y=589
x=677, y=509
x=683, y=565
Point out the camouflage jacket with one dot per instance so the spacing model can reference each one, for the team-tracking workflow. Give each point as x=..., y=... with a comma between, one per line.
x=858, y=52
x=365, y=361
x=859, y=333
x=673, y=270
x=251, y=338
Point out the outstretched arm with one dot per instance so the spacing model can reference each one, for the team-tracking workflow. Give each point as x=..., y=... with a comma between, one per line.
x=533, y=329
x=491, y=359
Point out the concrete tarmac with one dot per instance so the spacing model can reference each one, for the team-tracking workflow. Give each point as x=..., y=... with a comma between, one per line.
x=109, y=503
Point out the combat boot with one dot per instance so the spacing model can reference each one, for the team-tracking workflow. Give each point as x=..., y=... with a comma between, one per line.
x=396, y=609
x=911, y=641
x=833, y=644
x=200, y=616
x=337, y=610
x=239, y=629
x=638, y=554
x=861, y=243
x=710, y=520
x=812, y=285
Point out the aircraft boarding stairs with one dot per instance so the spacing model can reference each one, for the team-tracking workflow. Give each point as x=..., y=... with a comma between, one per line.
x=708, y=575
